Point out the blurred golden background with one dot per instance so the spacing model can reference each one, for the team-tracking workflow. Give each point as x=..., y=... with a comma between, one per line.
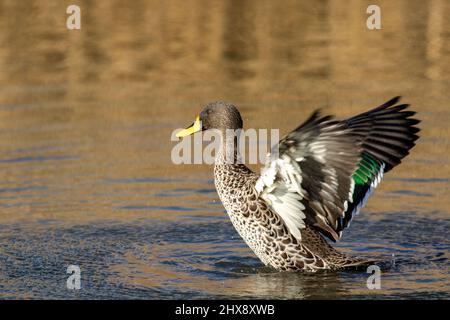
x=112, y=92
x=86, y=115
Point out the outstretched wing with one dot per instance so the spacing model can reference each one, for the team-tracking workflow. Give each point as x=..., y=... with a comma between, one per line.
x=311, y=180
x=327, y=169
x=386, y=134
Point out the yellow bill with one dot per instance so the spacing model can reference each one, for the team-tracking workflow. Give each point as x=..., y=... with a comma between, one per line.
x=196, y=126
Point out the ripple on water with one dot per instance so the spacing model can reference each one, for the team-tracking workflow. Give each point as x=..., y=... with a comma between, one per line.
x=159, y=259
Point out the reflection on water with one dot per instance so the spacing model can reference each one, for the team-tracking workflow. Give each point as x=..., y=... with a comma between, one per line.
x=85, y=124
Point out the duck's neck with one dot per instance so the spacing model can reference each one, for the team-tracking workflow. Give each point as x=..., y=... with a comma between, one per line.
x=228, y=152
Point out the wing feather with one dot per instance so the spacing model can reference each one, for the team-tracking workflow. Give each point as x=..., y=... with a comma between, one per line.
x=327, y=169
x=316, y=162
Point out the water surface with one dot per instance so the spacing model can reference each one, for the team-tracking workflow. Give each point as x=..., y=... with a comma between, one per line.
x=85, y=123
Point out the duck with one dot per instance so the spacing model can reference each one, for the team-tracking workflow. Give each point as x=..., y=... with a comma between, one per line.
x=313, y=182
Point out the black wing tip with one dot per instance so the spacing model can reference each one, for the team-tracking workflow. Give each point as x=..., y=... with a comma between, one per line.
x=393, y=101
x=314, y=119
x=316, y=114
x=392, y=107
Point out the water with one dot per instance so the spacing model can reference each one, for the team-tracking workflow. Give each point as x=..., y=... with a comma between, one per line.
x=85, y=124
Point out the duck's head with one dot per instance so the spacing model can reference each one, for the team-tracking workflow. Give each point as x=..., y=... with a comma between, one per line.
x=215, y=115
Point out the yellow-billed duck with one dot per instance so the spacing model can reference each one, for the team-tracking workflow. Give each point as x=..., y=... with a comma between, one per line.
x=322, y=175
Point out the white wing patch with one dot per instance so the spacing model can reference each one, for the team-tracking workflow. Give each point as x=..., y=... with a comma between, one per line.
x=280, y=186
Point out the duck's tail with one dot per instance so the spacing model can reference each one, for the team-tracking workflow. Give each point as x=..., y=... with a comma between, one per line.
x=334, y=258
x=343, y=261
